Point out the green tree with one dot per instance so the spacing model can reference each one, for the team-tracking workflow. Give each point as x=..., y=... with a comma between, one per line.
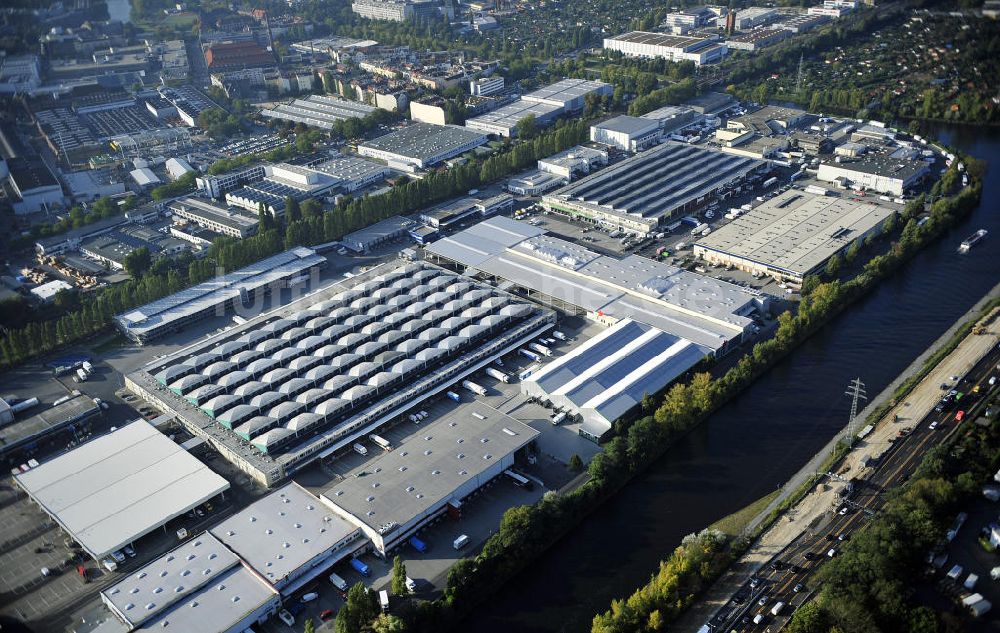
x=137, y=262
x=526, y=128
x=575, y=463
x=833, y=266
x=399, y=577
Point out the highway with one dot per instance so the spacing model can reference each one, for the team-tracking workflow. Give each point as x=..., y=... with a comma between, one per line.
x=786, y=577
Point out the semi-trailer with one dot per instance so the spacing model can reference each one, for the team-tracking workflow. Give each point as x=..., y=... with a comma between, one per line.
x=541, y=349
x=496, y=373
x=474, y=388
x=381, y=441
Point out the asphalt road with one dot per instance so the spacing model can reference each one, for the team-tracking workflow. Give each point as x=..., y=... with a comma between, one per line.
x=786, y=578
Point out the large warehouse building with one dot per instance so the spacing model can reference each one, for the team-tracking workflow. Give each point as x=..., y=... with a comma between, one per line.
x=708, y=312
x=113, y=490
x=610, y=374
x=288, y=537
x=245, y=285
x=305, y=381
x=793, y=234
x=880, y=173
x=319, y=111
x=544, y=105
x=677, y=48
x=635, y=195
x=422, y=145
x=432, y=471
x=199, y=585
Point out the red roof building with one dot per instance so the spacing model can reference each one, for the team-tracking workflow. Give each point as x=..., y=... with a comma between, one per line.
x=237, y=55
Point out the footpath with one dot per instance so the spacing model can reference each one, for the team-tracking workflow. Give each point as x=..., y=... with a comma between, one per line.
x=821, y=501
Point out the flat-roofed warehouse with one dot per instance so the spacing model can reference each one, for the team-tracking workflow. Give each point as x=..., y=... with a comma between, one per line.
x=319, y=111
x=422, y=144
x=220, y=293
x=437, y=467
x=568, y=94
x=503, y=121
x=793, y=234
x=115, y=489
x=712, y=314
x=288, y=537
x=676, y=48
x=610, y=374
x=304, y=381
x=199, y=586
x=638, y=193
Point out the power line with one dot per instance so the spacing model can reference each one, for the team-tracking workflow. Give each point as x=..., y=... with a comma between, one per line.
x=856, y=390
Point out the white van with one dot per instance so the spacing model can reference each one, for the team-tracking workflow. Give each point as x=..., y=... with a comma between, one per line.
x=338, y=582
x=461, y=542
x=776, y=609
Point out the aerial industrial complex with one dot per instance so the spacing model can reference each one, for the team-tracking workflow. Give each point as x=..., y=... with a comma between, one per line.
x=301, y=383
x=793, y=235
x=667, y=181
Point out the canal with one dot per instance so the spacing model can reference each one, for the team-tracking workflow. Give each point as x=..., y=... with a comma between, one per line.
x=758, y=441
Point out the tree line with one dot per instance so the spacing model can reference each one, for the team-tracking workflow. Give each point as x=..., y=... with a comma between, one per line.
x=305, y=225
x=527, y=531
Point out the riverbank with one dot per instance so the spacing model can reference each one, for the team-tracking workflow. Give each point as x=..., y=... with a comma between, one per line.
x=914, y=405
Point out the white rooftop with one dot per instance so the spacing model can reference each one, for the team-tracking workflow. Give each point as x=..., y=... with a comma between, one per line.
x=283, y=531
x=115, y=489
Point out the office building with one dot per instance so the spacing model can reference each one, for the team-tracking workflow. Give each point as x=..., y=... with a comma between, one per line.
x=220, y=219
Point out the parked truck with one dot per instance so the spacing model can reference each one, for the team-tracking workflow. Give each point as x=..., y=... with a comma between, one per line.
x=381, y=441
x=418, y=545
x=453, y=396
x=528, y=354
x=474, y=388
x=496, y=373
x=541, y=349
x=360, y=567
x=360, y=449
